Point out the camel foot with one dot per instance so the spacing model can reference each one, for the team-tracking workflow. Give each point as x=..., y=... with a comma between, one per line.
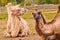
x=8, y=35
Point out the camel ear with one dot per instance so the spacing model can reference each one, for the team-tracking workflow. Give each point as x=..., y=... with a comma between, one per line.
x=9, y=5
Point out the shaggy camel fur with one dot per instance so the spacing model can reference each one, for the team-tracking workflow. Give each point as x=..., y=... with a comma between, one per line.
x=16, y=24
x=48, y=31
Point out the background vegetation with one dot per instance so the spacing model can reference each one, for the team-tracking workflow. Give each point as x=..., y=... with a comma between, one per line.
x=29, y=2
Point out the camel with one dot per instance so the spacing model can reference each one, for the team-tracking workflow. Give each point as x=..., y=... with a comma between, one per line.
x=16, y=24
x=48, y=31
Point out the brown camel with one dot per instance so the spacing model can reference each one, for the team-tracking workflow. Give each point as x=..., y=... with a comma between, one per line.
x=48, y=31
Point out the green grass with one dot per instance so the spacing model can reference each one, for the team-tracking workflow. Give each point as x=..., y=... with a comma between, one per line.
x=48, y=14
x=28, y=15
x=3, y=16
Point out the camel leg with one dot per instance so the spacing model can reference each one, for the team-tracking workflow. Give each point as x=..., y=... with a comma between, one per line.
x=16, y=28
x=8, y=29
x=25, y=28
x=24, y=32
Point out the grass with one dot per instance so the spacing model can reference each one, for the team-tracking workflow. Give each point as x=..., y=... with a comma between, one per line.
x=48, y=15
x=3, y=16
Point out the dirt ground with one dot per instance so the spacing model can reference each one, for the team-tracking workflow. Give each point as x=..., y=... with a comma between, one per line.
x=29, y=37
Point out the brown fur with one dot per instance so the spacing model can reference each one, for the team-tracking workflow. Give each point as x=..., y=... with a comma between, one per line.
x=48, y=29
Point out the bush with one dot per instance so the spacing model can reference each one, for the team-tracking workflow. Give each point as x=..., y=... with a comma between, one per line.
x=22, y=4
x=28, y=4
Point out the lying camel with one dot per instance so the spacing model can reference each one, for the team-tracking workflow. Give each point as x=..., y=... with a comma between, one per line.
x=16, y=23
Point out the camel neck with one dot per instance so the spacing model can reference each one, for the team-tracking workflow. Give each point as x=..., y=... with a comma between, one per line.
x=38, y=27
x=37, y=22
x=42, y=19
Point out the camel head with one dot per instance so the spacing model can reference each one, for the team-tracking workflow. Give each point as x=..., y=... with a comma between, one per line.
x=23, y=10
x=36, y=14
x=15, y=9
x=18, y=10
x=12, y=9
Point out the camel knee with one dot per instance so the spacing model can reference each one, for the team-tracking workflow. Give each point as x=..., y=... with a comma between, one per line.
x=8, y=27
x=13, y=34
x=24, y=33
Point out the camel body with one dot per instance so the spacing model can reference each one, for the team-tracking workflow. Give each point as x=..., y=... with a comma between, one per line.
x=16, y=24
x=46, y=30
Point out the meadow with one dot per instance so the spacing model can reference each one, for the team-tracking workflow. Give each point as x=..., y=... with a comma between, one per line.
x=48, y=14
